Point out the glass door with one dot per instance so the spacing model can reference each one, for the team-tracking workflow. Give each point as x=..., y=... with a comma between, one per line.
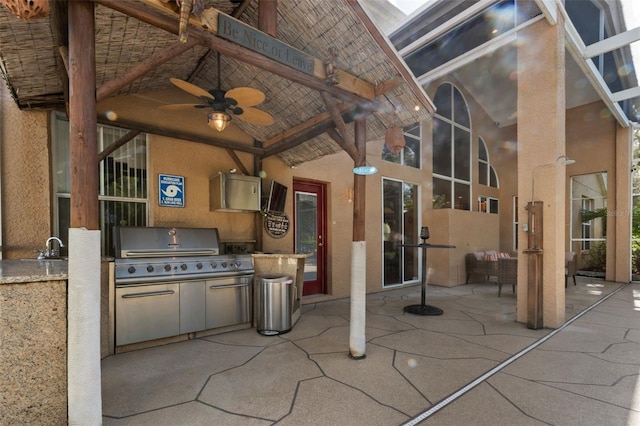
x=400, y=225
x=311, y=233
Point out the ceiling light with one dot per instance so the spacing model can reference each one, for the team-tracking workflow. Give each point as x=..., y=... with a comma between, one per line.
x=218, y=120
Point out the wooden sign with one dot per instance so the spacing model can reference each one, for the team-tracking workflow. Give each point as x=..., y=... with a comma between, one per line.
x=244, y=35
x=276, y=224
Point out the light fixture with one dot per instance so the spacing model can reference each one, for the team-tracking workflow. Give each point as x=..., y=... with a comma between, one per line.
x=562, y=160
x=394, y=140
x=365, y=170
x=218, y=120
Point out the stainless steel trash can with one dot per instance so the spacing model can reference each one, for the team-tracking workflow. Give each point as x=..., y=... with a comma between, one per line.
x=274, y=303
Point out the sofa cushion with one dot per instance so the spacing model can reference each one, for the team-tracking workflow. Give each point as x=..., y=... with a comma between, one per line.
x=479, y=255
x=491, y=256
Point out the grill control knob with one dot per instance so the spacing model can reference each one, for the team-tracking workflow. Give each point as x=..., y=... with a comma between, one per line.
x=199, y=265
x=238, y=264
x=167, y=267
x=214, y=265
x=224, y=264
x=183, y=266
x=149, y=268
x=131, y=269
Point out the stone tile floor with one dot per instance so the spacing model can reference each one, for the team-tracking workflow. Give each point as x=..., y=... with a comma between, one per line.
x=457, y=368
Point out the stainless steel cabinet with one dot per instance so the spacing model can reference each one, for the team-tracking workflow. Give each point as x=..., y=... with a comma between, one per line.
x=228, y=301
x=147, y=312
x=192, y=306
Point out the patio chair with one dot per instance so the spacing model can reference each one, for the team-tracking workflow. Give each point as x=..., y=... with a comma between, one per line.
x=507, y=273
x=570, y=267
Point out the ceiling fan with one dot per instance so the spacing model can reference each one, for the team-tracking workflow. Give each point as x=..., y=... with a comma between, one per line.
x=238, y=102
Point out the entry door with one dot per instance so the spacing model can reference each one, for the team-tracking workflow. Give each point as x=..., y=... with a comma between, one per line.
x=310, y=228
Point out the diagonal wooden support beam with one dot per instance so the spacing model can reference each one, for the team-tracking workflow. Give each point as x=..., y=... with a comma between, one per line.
x=236, y=160
x=157, y=59
x=117, y=144
x=349, y=147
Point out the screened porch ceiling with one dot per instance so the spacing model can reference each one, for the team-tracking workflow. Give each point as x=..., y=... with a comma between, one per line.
x=487, y=67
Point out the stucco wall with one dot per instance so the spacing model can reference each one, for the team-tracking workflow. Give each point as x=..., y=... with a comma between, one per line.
x=196, y=162
x=26, y=183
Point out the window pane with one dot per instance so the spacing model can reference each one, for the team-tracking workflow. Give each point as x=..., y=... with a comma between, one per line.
x=460, y=114
x=482, y=173
x=442, y=100
x=462, y=194
x=411, y=153
x=61, y=155
x=493, y=177
x=390, y=156
x=482, y=150
x=462, y=154
x=441, y=194
x=493, y=205
x=121, y=213
x=441, y=147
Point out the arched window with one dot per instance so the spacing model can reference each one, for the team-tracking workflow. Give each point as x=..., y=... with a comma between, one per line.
x=486, y=173
x=451, y=150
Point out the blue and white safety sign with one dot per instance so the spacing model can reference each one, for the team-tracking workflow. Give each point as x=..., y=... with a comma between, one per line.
x=171, y=190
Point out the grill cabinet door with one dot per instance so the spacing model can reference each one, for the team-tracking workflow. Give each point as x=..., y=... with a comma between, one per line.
x=147, y=312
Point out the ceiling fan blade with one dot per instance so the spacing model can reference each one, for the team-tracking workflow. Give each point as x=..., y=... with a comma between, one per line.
x=246, y=96
x=190, y=88
x=256, y=116
x=176, y=107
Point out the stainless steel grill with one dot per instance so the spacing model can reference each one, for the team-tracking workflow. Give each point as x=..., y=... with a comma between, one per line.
x=147, y=255
x=172, y=281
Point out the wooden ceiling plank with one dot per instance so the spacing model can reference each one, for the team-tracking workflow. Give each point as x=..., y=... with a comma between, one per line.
x=161, y=15
x=143, y=67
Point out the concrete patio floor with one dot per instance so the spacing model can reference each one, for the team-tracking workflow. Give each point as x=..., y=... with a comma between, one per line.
x=465, y=367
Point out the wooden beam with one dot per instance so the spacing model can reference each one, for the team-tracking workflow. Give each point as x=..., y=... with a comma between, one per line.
x=236, y=160
x=143, y=67
x=359, y=182
x=117, y=144
x=146, y=128
x=162, y=15
x=391, y=53
x=60, y=30
x=345, y=134
x=83, y=134
x=268, y=17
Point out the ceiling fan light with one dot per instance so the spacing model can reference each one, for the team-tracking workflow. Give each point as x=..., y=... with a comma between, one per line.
x=218, y=120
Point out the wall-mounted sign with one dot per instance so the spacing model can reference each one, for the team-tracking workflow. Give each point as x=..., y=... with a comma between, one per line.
x=171, y=190
x=252, y=39
x=276, y=224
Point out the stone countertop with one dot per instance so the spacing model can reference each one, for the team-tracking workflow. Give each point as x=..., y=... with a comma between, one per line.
x=32, y=270
x=280, y=255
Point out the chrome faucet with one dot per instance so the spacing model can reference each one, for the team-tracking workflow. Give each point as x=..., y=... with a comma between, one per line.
x=49, y=251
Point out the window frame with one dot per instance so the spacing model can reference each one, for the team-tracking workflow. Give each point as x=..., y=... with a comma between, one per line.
x=454, y=180
x=62, y=192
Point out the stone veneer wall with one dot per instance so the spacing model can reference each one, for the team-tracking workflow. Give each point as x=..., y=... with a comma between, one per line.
x=33, y=353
